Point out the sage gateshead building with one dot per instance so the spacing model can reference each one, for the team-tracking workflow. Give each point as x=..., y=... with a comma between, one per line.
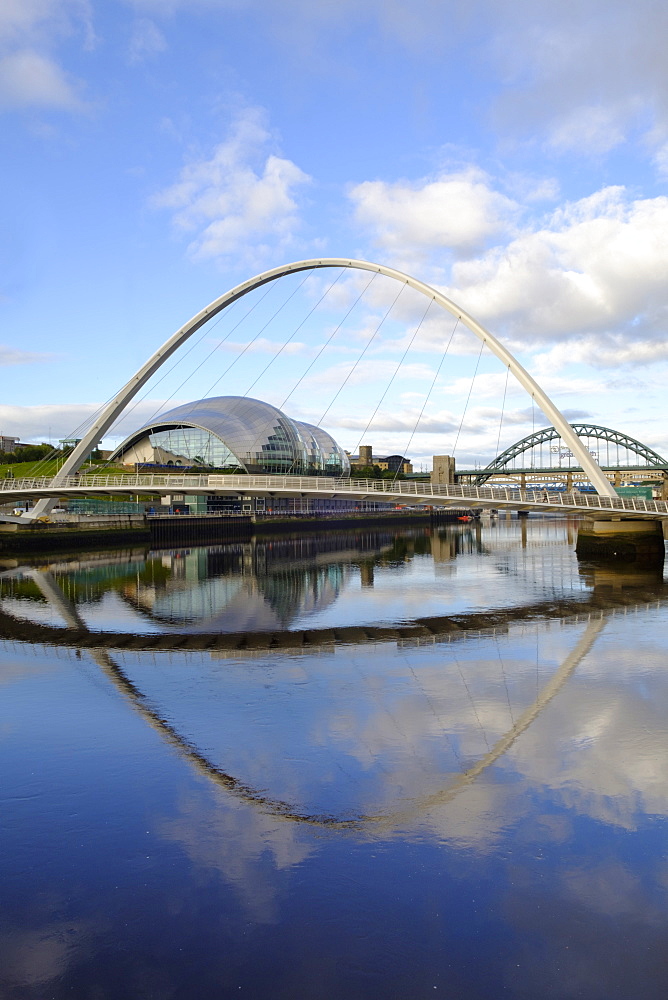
x=234, y=433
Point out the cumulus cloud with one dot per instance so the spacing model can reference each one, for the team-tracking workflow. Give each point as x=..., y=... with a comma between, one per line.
x=611, y=351
x=30, y=74
x=30, y=79
x=457, y=212
x=594, y=267
x=239, y=197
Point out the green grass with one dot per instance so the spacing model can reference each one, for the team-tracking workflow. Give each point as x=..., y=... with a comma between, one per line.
x=28, y=470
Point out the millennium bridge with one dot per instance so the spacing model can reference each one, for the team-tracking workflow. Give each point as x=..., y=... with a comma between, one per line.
x=608, y=512
x=401, y=492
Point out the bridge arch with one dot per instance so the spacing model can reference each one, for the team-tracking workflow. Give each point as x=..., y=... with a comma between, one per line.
x=651, y=458
x=116, y=406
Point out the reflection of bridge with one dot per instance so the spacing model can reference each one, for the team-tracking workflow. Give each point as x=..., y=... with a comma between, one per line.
x=402, y=492
x=100, y=647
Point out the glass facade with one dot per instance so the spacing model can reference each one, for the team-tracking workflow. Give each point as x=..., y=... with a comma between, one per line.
x=237, y=433
x=189, y=446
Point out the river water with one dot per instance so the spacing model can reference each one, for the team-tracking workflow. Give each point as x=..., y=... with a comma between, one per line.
x=390, y=764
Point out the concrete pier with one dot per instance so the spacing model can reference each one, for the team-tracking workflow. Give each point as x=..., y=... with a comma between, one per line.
x=629, y=541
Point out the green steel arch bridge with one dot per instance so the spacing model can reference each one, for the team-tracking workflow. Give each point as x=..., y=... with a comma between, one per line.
x=649, y=464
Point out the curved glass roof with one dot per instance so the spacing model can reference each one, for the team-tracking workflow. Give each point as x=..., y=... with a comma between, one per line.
x=259, y=436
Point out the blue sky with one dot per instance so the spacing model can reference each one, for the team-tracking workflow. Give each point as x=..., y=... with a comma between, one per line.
x=157, y=152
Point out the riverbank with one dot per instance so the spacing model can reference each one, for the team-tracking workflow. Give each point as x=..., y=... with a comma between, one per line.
x=85, y=531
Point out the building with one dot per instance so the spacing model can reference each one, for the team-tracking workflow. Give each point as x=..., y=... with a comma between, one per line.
x=235, y=433
x=386, y=463
x=8, y=444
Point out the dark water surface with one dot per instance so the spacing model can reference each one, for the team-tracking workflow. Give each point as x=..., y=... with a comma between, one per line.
x=469, y=813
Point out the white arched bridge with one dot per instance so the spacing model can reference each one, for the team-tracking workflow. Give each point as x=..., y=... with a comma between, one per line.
x=407, y=493
x=605, y=503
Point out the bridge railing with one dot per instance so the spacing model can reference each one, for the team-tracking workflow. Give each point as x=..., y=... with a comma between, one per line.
x=359, y=488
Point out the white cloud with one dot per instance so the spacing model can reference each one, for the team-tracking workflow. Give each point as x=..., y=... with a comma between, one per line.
x=30, y=75
x=14, y=356
x=596, y=129
x=583, y=76
x=458, y=211
x=661, y=160
x=30, y=79
x=52, y=421
x=262, y=345
x=43, y=423
x=574, y=78
x=591, y=271
x=596, y=267
x=491, y=385
x=407, y=420
x=238, y=197
x=367, y=372
x=613, y=351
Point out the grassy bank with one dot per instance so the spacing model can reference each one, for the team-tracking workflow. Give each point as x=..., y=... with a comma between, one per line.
x=30, y=470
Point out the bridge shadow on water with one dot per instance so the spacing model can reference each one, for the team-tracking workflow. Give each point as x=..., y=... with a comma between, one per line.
x=289, y=575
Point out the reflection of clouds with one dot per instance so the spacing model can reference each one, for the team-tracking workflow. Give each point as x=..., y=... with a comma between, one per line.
x=385, y=731
x=607, y=752
x=610, y=889
x=228, y=838
x=350, y=733
x=32, y=958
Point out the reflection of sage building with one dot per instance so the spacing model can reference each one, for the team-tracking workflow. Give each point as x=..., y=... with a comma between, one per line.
x=234, y=432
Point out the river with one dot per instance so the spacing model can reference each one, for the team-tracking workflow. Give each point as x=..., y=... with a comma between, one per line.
x=383, y=763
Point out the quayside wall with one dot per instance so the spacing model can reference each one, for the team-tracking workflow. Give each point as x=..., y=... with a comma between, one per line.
x=110, y=530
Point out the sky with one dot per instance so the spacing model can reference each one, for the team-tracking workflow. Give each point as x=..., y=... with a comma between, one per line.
x=155, y=153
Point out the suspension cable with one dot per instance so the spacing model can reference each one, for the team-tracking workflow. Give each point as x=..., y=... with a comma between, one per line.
x=330, y=338
x=217, y=346
x=431, y=389
x=354, y=367
x=296, y=330
x=461, y=423
x=206, y=331
x=503, y=410
x=395, y=373
x=365, y=349
x=260, y=331
x=293, y=334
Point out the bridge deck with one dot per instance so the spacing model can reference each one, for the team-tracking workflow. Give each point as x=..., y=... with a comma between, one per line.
x=382, y=490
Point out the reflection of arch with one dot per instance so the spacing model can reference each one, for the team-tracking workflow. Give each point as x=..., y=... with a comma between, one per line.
x=279, y=808
x=116, y=406
x=651, y=458
x=283, y=810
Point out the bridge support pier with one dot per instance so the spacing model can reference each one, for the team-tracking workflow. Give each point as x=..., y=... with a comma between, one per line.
x=627, y=541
